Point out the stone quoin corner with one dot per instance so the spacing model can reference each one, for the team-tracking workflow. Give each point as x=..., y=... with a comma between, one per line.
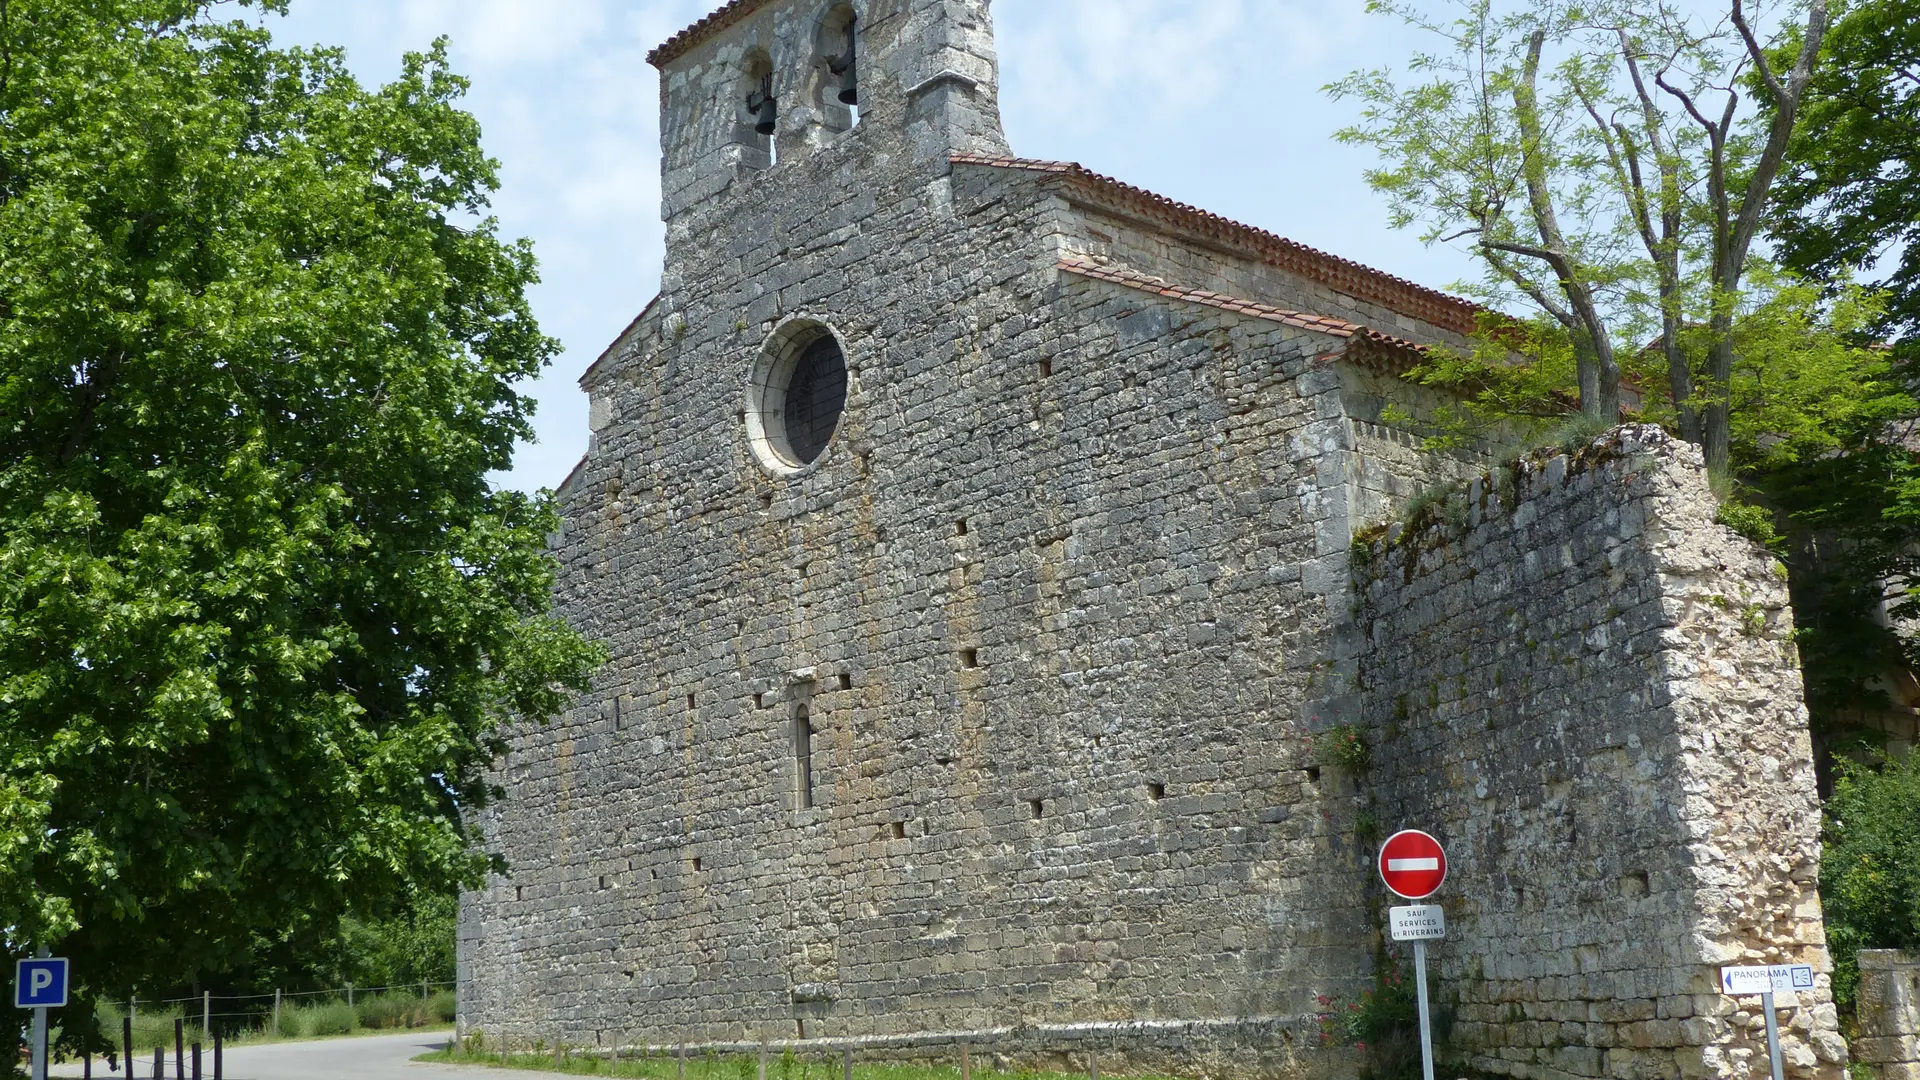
x=982, y=544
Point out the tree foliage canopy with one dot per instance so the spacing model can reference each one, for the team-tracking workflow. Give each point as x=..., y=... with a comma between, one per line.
x=1850, y=194
x=1608, y=167
x=260, y=611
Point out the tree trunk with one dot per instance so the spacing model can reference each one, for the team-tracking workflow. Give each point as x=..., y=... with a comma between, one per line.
x=1717, y=433
x=1679, y=373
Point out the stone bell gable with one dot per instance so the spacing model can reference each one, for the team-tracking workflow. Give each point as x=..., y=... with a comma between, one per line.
x=973, y=539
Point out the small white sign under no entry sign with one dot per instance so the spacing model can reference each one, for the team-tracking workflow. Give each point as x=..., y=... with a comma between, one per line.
x=1419, y=922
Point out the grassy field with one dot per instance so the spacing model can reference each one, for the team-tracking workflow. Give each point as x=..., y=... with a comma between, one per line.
x=740, y=1067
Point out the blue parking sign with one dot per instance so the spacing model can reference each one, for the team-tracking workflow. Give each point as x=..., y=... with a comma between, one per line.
x=40, y=983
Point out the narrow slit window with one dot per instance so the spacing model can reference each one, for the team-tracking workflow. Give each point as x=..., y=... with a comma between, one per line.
x=969, y=658
x=802, y=759
x=1046, y=369
x=897, y=830
x=1156, y=791
x=846, y=681
x=1038, y=808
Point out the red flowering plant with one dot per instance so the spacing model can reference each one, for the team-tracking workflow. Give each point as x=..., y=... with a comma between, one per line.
x=1382, y=1022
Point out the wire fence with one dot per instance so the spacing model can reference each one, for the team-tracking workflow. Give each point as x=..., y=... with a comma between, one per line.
x=235, y=1014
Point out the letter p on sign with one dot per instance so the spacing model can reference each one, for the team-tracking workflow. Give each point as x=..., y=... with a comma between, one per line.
x=40, y=983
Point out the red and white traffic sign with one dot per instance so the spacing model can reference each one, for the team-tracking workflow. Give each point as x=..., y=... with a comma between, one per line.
x=1413, y=864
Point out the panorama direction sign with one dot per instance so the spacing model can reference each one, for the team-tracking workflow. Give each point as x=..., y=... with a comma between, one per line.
x=1412, y=864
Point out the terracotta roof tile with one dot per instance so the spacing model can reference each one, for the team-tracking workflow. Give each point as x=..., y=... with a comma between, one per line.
x=677, y=45
x=1369, y=347
x=1362, y=282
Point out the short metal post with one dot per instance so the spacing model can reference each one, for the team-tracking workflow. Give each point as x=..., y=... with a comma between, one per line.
x=219, y=1057
x=349, y=995
x=86, y=1065
x=276, y=1012
x=1093, y=1066
x=680, y=1066
x=126, y=1040
x=846, y=1064
x=966, y=1067
x=179, y=1049
x=206, y=1012
x=1773, y=1034
x=763, y=1059
x=196, y=1060
x=1426, y=1025
x=159, y=1063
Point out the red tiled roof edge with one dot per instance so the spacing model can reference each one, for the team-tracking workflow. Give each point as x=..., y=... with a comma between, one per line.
x=1356, y=279
x=1367, y=347
x=676, y=46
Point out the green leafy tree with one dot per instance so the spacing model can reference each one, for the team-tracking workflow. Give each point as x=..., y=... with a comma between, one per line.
x=1605, y=166
x=1850, y=193
x=1849, y=204
x=260, y=611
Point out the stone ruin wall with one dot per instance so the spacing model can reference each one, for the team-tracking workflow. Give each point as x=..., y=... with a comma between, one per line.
x=1587, y=688
x=1888, y=1007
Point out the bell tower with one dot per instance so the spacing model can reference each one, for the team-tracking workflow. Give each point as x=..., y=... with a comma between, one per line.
x=760, y=85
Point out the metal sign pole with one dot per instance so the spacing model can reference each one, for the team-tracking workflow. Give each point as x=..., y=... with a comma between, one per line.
x=39, y=1044
x=40, y=1029
x=1773, y=1033
x=1426, y=1028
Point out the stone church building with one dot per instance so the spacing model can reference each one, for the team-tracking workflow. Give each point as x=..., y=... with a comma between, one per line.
x=987, y=555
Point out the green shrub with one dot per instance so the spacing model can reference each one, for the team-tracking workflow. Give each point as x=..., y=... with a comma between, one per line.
x=1870, y=871
x=442, y=1006
x=1343, y=746
x=1384, y=1024
x=1753, y=522
x=309, y=1021
x=387, y=1010
x=152, y=1026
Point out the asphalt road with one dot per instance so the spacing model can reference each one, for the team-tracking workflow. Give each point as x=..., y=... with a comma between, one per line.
x=374, y=1057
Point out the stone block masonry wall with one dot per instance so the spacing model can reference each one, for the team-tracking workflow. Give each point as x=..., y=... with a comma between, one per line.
x=1889, y=1010
x=1586, y=688
x=1053, y=598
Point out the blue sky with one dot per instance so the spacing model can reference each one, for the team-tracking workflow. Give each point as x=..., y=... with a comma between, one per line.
x=1212, y=102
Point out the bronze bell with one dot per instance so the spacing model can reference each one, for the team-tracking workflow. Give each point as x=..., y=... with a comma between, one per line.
x=764, y=107
x=843, y=66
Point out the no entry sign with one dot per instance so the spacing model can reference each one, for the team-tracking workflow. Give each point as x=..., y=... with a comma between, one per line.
x=1412, y=864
